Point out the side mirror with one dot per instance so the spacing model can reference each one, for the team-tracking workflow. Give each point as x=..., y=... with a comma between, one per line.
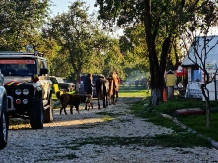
x=43, y=71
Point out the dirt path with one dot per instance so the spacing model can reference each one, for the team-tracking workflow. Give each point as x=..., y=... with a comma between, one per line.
x=109, y=135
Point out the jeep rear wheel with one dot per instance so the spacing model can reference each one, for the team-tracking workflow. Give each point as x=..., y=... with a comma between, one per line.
x=3, y=129
x=36, y=115
x=48, y=113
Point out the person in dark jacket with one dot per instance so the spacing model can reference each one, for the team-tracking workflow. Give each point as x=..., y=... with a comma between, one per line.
x=88, y=87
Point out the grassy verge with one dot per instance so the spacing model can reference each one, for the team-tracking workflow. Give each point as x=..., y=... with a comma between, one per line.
x=140, y=91
x=180, y=137
x=195, y=122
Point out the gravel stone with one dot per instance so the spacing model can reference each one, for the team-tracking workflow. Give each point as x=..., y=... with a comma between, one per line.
x=54, y=143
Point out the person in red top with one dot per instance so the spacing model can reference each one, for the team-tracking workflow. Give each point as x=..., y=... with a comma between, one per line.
x=118, y=79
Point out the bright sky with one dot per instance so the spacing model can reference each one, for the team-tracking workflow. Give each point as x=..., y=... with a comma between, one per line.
x=62, y=5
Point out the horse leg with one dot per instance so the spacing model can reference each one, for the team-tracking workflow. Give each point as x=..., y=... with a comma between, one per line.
x=104, y=105
x=99, y=107
x=77, y=108
x=71, y=109
x=109, y=99
x=86, y=106
x=113, y=99
x=61, y=109
x=65, y=110
x=106, y=100
x=116, y=96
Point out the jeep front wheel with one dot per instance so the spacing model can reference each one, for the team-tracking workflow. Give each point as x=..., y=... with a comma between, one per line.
x=36, y=114
x=3, y=130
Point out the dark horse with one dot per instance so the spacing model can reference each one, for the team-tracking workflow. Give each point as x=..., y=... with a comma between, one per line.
x=102, y=87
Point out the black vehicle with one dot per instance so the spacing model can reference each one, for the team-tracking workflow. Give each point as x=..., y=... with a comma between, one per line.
x=82, y=80
x=28, y=88
x=68, y=87
x=4, y=123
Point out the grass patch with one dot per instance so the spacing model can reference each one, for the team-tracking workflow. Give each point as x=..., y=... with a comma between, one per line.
x=134, y=93
x=198, y=123
x=114, y=115
x=169, y=140
x=195, y=122
x=107, y=118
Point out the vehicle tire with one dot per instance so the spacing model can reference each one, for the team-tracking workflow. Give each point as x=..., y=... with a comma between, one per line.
x=36, y=114
x=48, y=113
x=4, y=123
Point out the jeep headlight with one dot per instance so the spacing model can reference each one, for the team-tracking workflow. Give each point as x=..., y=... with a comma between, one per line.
x=25, y=91
x=18, y=91
x=38, y=88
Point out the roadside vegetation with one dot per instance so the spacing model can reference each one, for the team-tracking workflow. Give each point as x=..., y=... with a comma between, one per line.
x=197, y=123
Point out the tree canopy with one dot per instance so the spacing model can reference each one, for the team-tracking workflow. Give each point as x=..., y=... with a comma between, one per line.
x=161, y=20
x=20, y=22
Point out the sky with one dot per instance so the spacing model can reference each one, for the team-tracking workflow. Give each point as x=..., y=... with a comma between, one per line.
x=62, y=5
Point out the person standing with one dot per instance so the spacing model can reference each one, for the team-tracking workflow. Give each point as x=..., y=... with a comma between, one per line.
x=88, y=87
x=170, y=83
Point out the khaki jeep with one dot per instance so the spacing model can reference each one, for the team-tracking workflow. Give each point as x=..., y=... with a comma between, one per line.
x=28, y=87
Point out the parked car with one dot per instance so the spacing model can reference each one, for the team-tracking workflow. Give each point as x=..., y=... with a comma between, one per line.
x=4, y=122
x=68, y=87
x=82, y=81
x=28, y=87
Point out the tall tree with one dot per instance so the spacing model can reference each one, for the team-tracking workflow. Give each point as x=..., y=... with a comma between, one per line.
x=80, y=39
x=20, y=22
x=161, y=21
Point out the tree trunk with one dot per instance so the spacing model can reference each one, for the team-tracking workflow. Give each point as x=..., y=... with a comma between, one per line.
x=157, y=63
x=207, y=113
x=155, y=96
x=205, y=93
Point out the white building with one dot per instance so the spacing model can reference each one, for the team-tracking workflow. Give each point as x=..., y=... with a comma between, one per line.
x=207, y=50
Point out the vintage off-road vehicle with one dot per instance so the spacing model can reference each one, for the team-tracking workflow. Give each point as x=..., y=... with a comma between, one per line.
x=28, y=87
x=65, y=86
x=4, y=123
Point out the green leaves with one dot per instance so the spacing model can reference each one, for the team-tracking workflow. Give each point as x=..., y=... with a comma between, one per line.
x=20, y=22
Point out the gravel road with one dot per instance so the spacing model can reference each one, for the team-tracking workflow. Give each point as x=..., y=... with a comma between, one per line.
x=90, y=137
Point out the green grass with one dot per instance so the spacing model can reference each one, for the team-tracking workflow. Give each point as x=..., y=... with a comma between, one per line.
x=195, y=122
x=180, y=137
x=140, y=91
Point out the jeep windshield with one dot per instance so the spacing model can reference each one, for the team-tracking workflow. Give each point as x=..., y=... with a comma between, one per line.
x=18, y=67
